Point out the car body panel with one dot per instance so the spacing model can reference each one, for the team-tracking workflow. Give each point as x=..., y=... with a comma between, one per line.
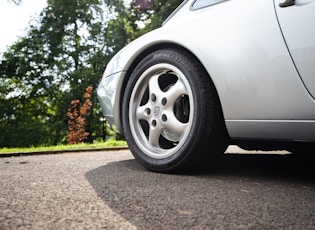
x=107, y=94
x=285, y=130
x=241, y=46
x=297, y=24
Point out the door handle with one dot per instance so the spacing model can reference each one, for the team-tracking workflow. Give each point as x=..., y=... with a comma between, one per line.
x=286, y=3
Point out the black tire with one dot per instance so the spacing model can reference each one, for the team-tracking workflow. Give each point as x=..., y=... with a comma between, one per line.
x=171, y=114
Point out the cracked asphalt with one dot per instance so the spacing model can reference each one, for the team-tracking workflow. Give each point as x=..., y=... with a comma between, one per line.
x=110, y=190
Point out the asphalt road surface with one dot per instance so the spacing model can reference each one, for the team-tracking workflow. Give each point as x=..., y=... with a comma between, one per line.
x=110, y=190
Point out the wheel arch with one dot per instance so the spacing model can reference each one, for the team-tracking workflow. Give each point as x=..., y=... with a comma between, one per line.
x=137, y=59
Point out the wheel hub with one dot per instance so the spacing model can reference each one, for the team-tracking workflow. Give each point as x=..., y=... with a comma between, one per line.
x=160, y=112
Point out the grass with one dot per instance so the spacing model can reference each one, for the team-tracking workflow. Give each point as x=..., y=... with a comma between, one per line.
x=107, y=144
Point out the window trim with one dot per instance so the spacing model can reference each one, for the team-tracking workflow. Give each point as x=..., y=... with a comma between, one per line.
x=199, y=8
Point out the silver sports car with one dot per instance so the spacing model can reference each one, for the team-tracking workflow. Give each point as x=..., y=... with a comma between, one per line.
x=217, y=72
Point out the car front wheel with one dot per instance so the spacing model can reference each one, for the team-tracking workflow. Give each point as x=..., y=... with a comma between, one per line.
x=171, y=114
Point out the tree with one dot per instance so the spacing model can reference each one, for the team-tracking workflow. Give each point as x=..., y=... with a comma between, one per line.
x=75, y=33
x=45, y=70
x=24, y=92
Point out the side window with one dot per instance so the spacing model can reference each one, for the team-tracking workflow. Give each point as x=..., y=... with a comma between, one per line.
x=204, y=3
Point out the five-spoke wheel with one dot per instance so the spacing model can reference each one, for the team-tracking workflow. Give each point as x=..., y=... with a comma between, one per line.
x=170, y=111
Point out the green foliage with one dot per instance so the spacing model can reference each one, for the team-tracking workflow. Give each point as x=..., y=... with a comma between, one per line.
x=60, y=148
x=24, y=95
x=61, y=55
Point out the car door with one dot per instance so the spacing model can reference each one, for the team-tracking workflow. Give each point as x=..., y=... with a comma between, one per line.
x=297, y=22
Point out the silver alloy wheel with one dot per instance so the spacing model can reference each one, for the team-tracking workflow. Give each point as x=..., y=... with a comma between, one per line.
x=161, y=110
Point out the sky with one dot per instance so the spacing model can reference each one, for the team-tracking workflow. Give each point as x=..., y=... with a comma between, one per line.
x=14, y=19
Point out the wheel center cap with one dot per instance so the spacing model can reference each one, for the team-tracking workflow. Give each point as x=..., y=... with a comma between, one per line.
x=156, y=110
